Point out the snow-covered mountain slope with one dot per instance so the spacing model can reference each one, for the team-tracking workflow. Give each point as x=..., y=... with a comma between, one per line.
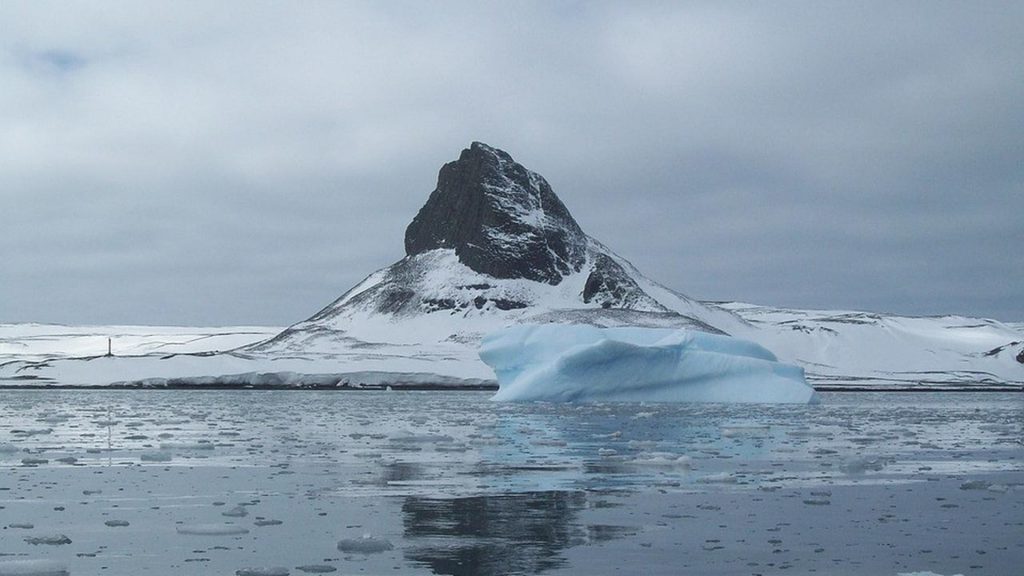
x=861, y=349
x=53, y=354
x=492, y=247
x=46, y=355
x=55, y=341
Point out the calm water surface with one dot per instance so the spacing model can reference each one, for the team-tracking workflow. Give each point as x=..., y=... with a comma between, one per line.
x=275, y=482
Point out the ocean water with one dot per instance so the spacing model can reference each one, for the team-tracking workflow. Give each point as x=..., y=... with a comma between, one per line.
x=296, y=482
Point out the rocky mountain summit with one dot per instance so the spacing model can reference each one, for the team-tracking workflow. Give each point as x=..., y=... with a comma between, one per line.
x=500, y=218
x=494, y=245
x=504, y=221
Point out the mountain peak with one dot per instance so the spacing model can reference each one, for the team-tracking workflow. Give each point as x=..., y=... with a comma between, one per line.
x=481, y=148
x=500, y=218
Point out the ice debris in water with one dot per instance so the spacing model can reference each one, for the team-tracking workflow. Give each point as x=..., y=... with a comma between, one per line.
x=561, y=362
x=865, y=464
x=236, y=512
x=32, y=568
x=155, y=457
x=201, y=445
x=720, y=478
x=316, y=568
x=32, y=431
x=666, y=459
x=744, y=431
x=211, y=529
x=49, y=539
x=366, y=545
x=262, y=571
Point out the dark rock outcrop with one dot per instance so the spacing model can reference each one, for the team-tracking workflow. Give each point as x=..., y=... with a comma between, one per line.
x=610, y=286
x=500, y=218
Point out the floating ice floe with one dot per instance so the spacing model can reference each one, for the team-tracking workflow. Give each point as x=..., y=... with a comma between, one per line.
x=236, y=512
x=48, y=539
x=561, y=362
x=211, y=530
x=32, y=432
x=864, y=464
x=665, y=459
x=366, y=545
x=316, y=568
x=201, y=445
x=744, y=431
x=155, y=457
x=32, y=568
x=263, y=571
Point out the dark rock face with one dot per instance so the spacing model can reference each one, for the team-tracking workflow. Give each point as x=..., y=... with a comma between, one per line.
x=501, y=219
x=1020, y=356
x=612, y=287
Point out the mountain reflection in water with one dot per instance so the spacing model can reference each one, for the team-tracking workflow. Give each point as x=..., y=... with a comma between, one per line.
x=500, y=534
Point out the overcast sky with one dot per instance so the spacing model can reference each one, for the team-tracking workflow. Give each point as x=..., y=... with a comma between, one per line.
x=215, y=163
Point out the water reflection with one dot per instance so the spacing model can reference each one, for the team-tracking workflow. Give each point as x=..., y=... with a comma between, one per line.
x=500, y=534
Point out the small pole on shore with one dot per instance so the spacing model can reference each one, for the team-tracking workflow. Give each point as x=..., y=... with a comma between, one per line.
x=110, y=348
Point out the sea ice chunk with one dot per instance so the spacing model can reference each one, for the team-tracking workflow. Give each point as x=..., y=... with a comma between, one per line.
x=236, y=512
x=211, y=530
x=263, y=571
x=366, y=545
x=560, y=362
x=32, y=568
x=48, y=539
x=316, y=568
x=666, y=459
x=155, y=456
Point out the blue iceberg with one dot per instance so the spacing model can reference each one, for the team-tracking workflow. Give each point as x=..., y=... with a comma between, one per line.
x=565, y=363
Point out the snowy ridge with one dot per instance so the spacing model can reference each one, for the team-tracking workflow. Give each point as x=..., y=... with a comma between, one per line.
x=720, y=318
x=52, y=341
x=436, y=304
x=862, y=349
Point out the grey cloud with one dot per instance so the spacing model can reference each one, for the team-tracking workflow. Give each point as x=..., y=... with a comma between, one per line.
x=248, y=162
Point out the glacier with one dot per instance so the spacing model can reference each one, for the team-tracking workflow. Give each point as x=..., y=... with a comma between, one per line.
x=563, y=362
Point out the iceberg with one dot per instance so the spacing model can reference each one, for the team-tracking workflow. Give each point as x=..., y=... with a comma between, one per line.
x=565, y=363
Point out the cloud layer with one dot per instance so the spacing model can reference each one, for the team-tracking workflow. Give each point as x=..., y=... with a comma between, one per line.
x=227, y=163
